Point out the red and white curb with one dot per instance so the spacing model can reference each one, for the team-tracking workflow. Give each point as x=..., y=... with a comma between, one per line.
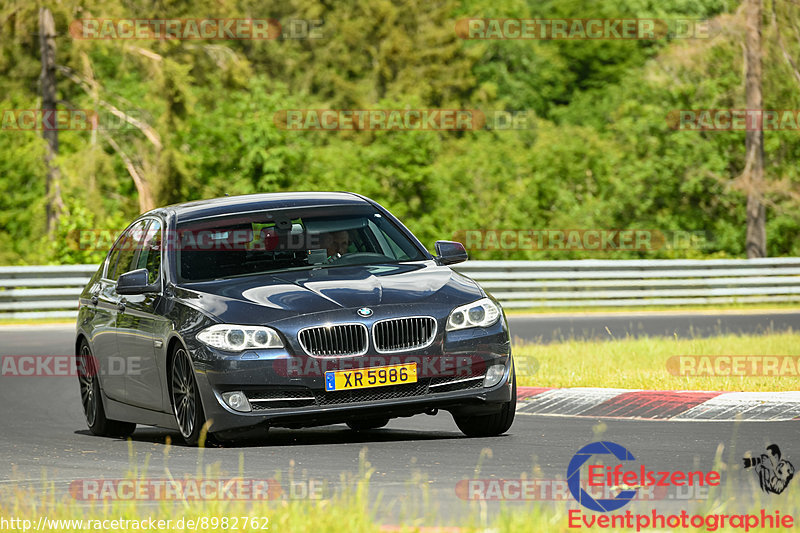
x=659, y=405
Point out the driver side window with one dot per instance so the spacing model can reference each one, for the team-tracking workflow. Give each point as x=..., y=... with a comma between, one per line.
x=150, y=254
x=123, y=256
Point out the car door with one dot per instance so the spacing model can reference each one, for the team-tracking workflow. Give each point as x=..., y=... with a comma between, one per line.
x=137, y=320
x=104, y=338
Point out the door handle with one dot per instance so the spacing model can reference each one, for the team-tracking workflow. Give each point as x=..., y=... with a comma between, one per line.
x=121, y=305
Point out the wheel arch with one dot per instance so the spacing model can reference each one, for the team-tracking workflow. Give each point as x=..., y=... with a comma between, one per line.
x=79, y=338
x=174, y=343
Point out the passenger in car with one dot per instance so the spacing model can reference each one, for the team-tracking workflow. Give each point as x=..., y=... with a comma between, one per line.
x=336, y=243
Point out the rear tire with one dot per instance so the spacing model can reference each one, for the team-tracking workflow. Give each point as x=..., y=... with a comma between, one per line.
x=367, y=423
x=493, y=424
x=92, y=399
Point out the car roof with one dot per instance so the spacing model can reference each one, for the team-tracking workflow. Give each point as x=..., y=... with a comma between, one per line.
x=256, y=202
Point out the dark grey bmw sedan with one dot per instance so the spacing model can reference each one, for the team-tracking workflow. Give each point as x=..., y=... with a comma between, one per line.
x=222, y=316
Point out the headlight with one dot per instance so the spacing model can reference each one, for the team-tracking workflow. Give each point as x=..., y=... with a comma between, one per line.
x=237, y=338
x=482, y=313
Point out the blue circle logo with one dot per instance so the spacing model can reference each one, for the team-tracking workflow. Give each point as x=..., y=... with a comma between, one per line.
x=365, y=312
x=602, y=505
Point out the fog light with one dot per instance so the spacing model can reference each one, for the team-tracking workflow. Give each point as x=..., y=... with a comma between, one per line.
x=494, y=375
x=237, y=401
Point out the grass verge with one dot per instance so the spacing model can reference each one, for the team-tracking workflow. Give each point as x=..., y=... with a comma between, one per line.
x=643, y=363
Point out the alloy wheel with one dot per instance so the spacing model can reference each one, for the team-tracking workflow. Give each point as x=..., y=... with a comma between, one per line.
x=86, y=376
x=183, y=393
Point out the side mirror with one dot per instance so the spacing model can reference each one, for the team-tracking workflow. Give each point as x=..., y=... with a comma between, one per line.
x=134, y=282
x=450, y=253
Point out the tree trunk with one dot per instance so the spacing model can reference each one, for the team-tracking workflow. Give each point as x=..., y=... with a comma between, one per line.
x=146, y=202
x=756, y=243
x=47, y=39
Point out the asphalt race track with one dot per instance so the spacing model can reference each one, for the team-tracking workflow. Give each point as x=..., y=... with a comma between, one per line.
x=44, y=433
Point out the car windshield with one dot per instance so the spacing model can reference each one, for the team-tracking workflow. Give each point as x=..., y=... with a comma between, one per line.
x=275, y=240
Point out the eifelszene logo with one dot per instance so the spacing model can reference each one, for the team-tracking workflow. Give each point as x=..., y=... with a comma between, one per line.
x=597, y=493
x=774, y=473
x=608, y=477
x=574, y=477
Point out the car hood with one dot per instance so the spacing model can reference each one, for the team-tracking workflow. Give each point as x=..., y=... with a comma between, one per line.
x=269, y=297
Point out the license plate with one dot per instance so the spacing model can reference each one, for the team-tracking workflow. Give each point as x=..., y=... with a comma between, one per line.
x=377, y=376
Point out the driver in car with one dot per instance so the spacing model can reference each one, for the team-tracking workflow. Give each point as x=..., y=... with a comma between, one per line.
x=336, y=243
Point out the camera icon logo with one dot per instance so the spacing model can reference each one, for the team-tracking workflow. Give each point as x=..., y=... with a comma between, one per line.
x=773, y=471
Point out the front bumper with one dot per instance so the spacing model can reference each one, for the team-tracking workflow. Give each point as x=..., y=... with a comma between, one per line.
x=288, y=390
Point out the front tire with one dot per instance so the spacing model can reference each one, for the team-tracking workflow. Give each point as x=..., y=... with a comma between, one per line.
x=186, y=404
x=92, y=400
x=493, y=424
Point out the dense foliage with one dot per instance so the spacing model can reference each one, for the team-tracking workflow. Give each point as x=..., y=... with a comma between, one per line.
x=597, y=153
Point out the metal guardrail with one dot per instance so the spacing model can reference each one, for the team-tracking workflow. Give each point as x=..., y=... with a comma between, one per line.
x=42, y=291
x=33, y=292
x=599, y=283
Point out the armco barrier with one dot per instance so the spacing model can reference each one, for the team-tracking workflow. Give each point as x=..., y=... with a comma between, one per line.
x=52, y=291
x=596, y=282
x=42, y=291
